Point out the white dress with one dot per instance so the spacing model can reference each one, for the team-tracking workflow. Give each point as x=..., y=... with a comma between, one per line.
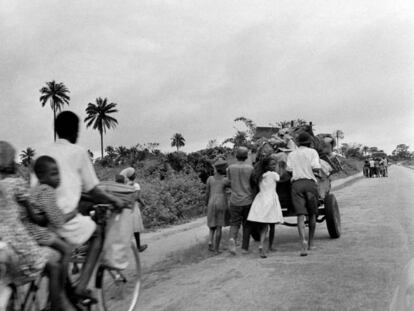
x=138, y=224
x=266, y=206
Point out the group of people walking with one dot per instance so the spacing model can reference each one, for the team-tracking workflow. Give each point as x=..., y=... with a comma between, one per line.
x=376, y=167
x=254, y=203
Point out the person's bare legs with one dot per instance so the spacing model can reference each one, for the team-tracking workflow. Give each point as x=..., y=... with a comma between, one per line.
x=263, y=231
x=312, y=226
x=94, y=250
x=65, y=250
x=271, y=237
x=217, y=240
x=211, y=238
x=235, y=222
x=234, y=231
x=246, y=229
x=58, y=298
x=302, y=237
x=140, y=247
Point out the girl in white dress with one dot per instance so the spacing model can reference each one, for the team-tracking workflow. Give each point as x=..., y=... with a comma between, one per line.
x=266, y=207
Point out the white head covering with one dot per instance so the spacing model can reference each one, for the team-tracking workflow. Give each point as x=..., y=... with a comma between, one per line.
x=128, y=172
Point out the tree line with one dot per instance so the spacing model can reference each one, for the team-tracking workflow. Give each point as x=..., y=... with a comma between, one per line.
x=99, y=116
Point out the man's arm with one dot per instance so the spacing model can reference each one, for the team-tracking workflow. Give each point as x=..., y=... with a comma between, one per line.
x=316, y=164
x=90, y=185
x=100, y=196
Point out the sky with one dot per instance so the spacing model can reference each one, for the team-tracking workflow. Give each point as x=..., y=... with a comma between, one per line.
x=193, y=66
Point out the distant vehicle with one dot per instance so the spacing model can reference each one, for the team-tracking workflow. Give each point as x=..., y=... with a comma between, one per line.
x=381, y=167
x=379, y=154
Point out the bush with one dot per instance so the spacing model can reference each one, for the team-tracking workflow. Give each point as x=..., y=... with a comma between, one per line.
x=177, y=160
x=176, y=197
x=170, y=197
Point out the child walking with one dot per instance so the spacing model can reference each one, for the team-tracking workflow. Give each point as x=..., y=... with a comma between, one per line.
x=217, y=209
x=266, y=209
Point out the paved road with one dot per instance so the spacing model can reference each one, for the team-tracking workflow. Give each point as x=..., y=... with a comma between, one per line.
x=358, y=271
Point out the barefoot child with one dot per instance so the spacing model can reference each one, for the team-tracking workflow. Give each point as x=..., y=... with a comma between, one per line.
x=44, y=218
x=217, y=209
x=31, y=256
x=266, y=207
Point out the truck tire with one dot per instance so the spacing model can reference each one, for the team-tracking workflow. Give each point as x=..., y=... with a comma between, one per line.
x=333, y=217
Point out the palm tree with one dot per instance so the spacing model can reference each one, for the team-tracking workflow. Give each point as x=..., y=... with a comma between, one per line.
x=27, y=156
x=122, y=152
x=177, y=141
x=98, y=117
x=57, y=95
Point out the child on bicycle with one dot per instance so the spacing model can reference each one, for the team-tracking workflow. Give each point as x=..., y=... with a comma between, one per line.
x=43, y=218
x=32, y=259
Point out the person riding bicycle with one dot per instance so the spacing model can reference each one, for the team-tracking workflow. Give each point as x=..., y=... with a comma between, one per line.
x=30, y=258
x=43, y=218
x=77, y=176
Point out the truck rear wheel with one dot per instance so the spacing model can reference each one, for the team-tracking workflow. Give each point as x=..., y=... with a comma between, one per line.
x=333, y=217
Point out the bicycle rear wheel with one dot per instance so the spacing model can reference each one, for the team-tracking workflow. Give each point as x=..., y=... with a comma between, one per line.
x=30, y=297
x=119, y=289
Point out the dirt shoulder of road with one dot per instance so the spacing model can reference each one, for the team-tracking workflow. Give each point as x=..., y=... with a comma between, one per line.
x=186, y=243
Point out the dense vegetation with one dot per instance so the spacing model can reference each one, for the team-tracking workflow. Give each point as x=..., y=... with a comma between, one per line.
x=173, y=184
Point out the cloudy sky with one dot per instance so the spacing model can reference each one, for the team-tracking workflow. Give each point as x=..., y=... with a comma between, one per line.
x=193, y=66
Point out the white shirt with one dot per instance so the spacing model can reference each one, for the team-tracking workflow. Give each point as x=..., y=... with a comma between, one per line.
x=76, y=173
x=301, y=162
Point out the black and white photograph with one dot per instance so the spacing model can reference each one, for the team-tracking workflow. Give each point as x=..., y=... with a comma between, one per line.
x=207, y=155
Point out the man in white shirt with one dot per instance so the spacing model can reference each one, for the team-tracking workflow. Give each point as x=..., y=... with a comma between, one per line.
x=371, y=167
x=303, y=163
x=77, y=175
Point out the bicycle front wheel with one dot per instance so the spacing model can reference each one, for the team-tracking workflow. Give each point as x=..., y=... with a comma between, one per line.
x=119, y=289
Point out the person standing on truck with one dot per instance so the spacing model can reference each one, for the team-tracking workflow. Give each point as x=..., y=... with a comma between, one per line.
x=304, y=163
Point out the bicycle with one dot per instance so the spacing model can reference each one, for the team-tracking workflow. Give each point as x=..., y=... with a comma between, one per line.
x=116, y=289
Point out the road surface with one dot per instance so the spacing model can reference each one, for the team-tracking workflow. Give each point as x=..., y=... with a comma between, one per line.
x=358, y=271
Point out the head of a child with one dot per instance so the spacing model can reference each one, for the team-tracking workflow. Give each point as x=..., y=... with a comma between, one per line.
x=269, y=164
x=120, y=179
x=220, y=166
x=7, y=155
x=47, y=171
x=242, y=153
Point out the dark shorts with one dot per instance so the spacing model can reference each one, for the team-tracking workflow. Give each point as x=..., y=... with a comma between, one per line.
x=305, y=197
x=238, y=214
